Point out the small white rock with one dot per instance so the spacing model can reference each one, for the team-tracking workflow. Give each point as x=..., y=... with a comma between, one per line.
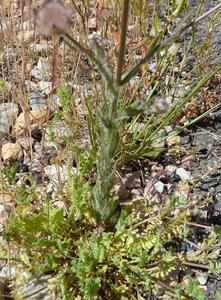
x=57, y=174
x=184, y=174
x=8, y=115
x=202, y=278
x=170, y=169
x=45, y=87
x=159, y=186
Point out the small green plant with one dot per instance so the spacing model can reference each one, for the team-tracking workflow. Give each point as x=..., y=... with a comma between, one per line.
x=110, y=117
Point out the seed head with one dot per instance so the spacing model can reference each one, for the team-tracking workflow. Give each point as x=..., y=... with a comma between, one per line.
x=53, y=18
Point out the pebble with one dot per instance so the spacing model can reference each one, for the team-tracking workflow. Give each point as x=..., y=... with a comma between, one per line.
x=42, y=70
x=203, y=141
x=170, y=169
x=136, y=192
x=25, y=142
x=133, y=180
x=11, y=152
x=8, y=115
x=159, y=186
x=184, y=174
x=57, y=174
x=202, y=278
x=121, y=191
x=37, y=101
x=45, y=87
x=37, y=116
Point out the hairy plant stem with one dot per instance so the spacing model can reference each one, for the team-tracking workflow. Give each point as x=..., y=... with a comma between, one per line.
x=102, y=204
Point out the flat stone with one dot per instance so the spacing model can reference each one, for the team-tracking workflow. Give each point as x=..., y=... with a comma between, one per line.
x=38, y=116
x=184, y=174
x=203, y=141
x=37, y=101
x=133, y=180
x=45, y=87
x=8, y=115
x=25, y=142
x=170, y=169
x=121, y=191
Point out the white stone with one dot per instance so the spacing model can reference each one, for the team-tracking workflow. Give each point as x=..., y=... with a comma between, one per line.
x=36, y=73
x=40, y=48
x=8, y=115
x=170, y=168
x=37, y=101
x=202, y=278
x=184, y=174
x=159, y=186
x=45, y=87
x=57, y=174
x=30, y=85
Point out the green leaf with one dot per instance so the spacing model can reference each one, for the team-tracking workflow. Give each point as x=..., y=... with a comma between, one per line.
x=91, y=288
x=56, y=218
x=194, y=290
x=122, y=222
x=156, y=23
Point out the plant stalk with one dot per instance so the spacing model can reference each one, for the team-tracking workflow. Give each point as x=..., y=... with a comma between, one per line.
x=123, y=35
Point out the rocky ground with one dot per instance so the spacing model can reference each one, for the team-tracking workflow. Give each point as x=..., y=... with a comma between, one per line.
x=194, y=174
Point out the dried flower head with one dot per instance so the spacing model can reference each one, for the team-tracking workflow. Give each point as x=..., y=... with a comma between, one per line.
x=53, y=18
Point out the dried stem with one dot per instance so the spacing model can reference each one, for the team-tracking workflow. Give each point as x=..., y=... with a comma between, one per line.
x=123, y=35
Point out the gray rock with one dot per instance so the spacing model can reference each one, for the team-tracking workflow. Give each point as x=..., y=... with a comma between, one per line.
x=218, y=189
x=45, y=87
x=203, y=141
x=120, y=191
x=36, y=73
x=133, y=180
x=37, y=288
x=8, y=115
x=42, y=70
x=37, y=101
x=184, y=175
